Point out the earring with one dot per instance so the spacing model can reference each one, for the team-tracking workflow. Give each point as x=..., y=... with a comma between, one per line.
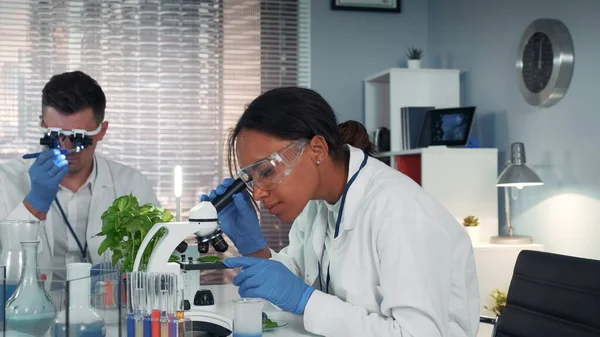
x=318, y=162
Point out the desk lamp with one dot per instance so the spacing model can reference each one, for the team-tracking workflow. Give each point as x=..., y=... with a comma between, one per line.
x=515, y=174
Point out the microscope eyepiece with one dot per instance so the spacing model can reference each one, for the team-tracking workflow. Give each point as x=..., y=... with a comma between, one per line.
x=224, y=199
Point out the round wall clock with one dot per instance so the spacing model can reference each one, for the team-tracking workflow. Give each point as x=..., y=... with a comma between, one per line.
x=545, y=62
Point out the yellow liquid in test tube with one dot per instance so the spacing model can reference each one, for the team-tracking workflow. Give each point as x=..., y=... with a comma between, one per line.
x=139, y=328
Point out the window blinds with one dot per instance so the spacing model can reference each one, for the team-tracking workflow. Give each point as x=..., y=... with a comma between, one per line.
x=177, y=75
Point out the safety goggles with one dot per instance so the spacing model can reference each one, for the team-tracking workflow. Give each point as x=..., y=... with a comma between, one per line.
x=268, y=172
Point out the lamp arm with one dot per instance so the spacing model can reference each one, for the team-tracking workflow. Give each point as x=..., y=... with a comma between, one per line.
x=507, y=210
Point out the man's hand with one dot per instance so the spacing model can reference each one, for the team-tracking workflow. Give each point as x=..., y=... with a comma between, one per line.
x=45, y=175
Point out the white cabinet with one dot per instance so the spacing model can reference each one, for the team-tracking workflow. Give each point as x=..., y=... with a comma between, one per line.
x=389, y=91
x=462, y=179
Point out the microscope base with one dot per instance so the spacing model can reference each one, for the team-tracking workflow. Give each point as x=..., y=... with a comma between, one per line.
x=204, y=320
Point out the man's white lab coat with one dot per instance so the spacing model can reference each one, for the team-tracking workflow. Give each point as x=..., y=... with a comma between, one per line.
x=112, y=181
x=401, y=264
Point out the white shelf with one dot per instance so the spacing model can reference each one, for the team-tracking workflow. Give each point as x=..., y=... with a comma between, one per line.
x=387, y=92
x=384, y=76
x=398, y=153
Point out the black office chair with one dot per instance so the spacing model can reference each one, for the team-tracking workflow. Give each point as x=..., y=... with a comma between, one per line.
x=551, y=295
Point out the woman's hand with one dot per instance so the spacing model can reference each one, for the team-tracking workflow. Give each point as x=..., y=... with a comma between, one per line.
x=272, y=281
x=239, y=220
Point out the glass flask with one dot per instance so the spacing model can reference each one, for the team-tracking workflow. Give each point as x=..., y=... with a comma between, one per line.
x=29, y=311
x=11, y=234
x=84, y=321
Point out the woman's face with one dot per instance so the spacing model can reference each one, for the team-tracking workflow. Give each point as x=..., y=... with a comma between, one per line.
x=288, y=198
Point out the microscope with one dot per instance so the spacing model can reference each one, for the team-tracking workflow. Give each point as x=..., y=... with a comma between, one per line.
x=204, y=224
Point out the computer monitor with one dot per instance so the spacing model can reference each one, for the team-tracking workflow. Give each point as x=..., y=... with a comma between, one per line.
x=449, y=127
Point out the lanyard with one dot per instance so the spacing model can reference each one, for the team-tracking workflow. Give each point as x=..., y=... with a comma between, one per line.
x=338, y=222
x=82, y=249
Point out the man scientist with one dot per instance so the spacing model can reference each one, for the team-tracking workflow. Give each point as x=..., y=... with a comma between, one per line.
x=69, y=193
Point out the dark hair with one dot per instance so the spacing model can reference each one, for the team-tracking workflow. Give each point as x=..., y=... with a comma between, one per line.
x=72, y=92
x=292, y=113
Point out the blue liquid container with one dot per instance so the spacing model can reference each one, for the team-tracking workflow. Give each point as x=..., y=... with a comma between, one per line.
x=131, y=325
x=84, y=321
x=12, y=232
x=147, y=326
x=9, y=289
x=95, y=329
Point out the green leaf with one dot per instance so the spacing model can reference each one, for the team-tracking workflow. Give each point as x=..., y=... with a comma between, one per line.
x=123, y=203
x=104, y=246
x=115, y=259
x=134, y=225
x=167, y=216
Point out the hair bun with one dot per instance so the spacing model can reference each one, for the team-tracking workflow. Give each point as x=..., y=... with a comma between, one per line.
x=354, y=133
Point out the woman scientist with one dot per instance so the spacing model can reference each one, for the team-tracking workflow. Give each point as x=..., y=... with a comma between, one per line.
x=370, y=253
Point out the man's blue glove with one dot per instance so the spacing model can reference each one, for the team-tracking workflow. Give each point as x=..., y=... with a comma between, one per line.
x=272, y=281
x=239, y=220
x=45, y=175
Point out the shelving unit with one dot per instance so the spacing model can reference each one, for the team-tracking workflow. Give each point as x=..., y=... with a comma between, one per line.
x=462, y=179
x=395, y=88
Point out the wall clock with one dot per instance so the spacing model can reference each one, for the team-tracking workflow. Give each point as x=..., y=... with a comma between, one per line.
x=545, y=62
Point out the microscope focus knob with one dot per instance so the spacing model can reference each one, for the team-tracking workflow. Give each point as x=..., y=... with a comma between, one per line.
x=204, y=297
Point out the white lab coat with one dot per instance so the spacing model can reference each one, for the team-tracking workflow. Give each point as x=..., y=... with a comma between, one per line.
x=403, y=265
x=112, y=181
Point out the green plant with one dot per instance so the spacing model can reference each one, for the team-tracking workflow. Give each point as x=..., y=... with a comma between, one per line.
x=470, y=221
x=125, y=224
x=414, y=53
x=499, y=302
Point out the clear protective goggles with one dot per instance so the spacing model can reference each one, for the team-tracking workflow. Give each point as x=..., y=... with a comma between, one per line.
x=268, y=172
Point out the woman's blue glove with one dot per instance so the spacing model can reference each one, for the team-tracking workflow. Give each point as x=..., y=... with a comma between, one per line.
x=272, y=281
x=239, y=220
x=45, y=175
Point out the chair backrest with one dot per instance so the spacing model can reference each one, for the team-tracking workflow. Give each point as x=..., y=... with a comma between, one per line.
x=552, y=295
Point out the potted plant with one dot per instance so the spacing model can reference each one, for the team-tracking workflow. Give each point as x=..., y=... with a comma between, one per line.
x=125, y=224
x=414, y=57
x=471, y=225
x=499, y=298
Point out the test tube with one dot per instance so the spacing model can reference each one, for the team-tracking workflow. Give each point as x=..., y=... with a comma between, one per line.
x=141, y=302
x=165, y=283
x=132, y=307
x=247, y=317
x=149, y=304
x=179, y=327
x=155, y=308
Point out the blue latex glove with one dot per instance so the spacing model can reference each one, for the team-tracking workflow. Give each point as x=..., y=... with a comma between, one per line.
x=239, y=220
x=272, y=281
x=45, y=175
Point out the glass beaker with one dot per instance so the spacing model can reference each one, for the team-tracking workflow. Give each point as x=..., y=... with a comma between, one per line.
x=83, y=318
x=11, y=235
x=30, y=310
x=247, y=317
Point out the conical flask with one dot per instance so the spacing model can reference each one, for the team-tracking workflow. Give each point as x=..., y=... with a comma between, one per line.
x=29, y=310
x=11, y=235
x=84, y=321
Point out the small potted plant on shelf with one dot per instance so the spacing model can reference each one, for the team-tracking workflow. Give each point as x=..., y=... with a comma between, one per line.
x=499, y=302
x=414, y=57
x=471, y=224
